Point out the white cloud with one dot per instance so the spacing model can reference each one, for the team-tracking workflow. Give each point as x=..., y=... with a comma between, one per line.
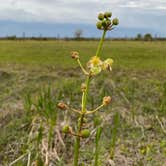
x=132, y=13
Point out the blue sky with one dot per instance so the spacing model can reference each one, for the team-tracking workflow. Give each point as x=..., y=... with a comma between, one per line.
x=63, y=17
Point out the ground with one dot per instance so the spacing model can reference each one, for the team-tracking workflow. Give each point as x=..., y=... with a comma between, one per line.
x=137, y=85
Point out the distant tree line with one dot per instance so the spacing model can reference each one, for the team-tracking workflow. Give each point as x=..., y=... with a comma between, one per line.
x=146, y=37
x=78, y=35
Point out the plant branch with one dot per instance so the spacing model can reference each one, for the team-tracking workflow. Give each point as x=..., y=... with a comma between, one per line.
x=95, y=110
x=82, y=68
x=74, y=110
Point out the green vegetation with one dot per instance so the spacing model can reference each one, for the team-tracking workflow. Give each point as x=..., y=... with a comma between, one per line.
x=137, y=85
x=126, y=54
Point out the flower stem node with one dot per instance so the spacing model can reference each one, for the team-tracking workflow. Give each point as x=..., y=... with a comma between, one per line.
x=106, y=100
x=75, y=55
x=115, y=21
x=62, y=106
x=84, y=120
x=66, y=129
x=101, y=16
x=85, y=133
x=108, y=22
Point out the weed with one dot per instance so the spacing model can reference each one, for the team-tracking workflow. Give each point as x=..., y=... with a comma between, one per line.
x=94, y=66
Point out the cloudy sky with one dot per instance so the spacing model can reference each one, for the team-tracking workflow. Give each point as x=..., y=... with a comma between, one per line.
x=133, y=14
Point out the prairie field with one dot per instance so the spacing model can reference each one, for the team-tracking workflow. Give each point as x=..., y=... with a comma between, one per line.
x=137, y=85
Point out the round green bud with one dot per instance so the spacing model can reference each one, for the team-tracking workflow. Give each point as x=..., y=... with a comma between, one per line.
x=107, y=14
x=101, y=16
x=99, y=25
x=66, y=129
x=104, y=23
x=115, y=21
x=85, y=133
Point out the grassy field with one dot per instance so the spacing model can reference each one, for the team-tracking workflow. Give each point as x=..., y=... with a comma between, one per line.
x=126, y=54
x=137, y=85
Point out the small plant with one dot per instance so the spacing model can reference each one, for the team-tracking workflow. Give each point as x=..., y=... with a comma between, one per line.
x=41, y=111
x=94, y=66
x=42, y=115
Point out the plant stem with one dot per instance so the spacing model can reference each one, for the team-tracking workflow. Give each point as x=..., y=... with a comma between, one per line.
x=101, y=43
x=84, y=96
x=92, y=112
x=77, y=142
x=50, y=134
x=116, y=122
x=98, y=135
x=80, y=122
x=82, y=68
x=84, y=103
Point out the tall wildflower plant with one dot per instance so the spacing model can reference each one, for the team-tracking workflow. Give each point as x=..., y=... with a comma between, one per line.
x=94, y=67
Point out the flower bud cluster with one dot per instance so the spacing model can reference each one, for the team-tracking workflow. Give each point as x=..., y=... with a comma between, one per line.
x=96, y=65
x=105, y=23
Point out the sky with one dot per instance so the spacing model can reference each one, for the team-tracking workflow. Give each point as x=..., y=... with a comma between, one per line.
x=64, y=16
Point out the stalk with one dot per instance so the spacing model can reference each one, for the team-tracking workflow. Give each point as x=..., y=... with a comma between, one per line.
x=50, y=134
x=77, y=142
x=84, y=103
x=80, y=122
x=114, y=134
x=101, y=43
x=98, y=135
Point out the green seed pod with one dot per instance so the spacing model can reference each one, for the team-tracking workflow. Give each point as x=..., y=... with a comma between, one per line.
x=99, y=25
x=101, y=16
x=115, y=21
x=104, y=23
x=107, y=14
x=85, y=133
x=66, y=129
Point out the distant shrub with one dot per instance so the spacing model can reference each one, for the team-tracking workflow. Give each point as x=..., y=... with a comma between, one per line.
x=14, y=37
x=139, y=37
x=148, y=37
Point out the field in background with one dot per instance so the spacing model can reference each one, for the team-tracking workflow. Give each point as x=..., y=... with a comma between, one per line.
x=137, y=83
x=127, y=54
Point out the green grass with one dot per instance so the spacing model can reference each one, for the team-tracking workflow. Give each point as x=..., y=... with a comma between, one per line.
x=137, y=82
x=126, y=54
